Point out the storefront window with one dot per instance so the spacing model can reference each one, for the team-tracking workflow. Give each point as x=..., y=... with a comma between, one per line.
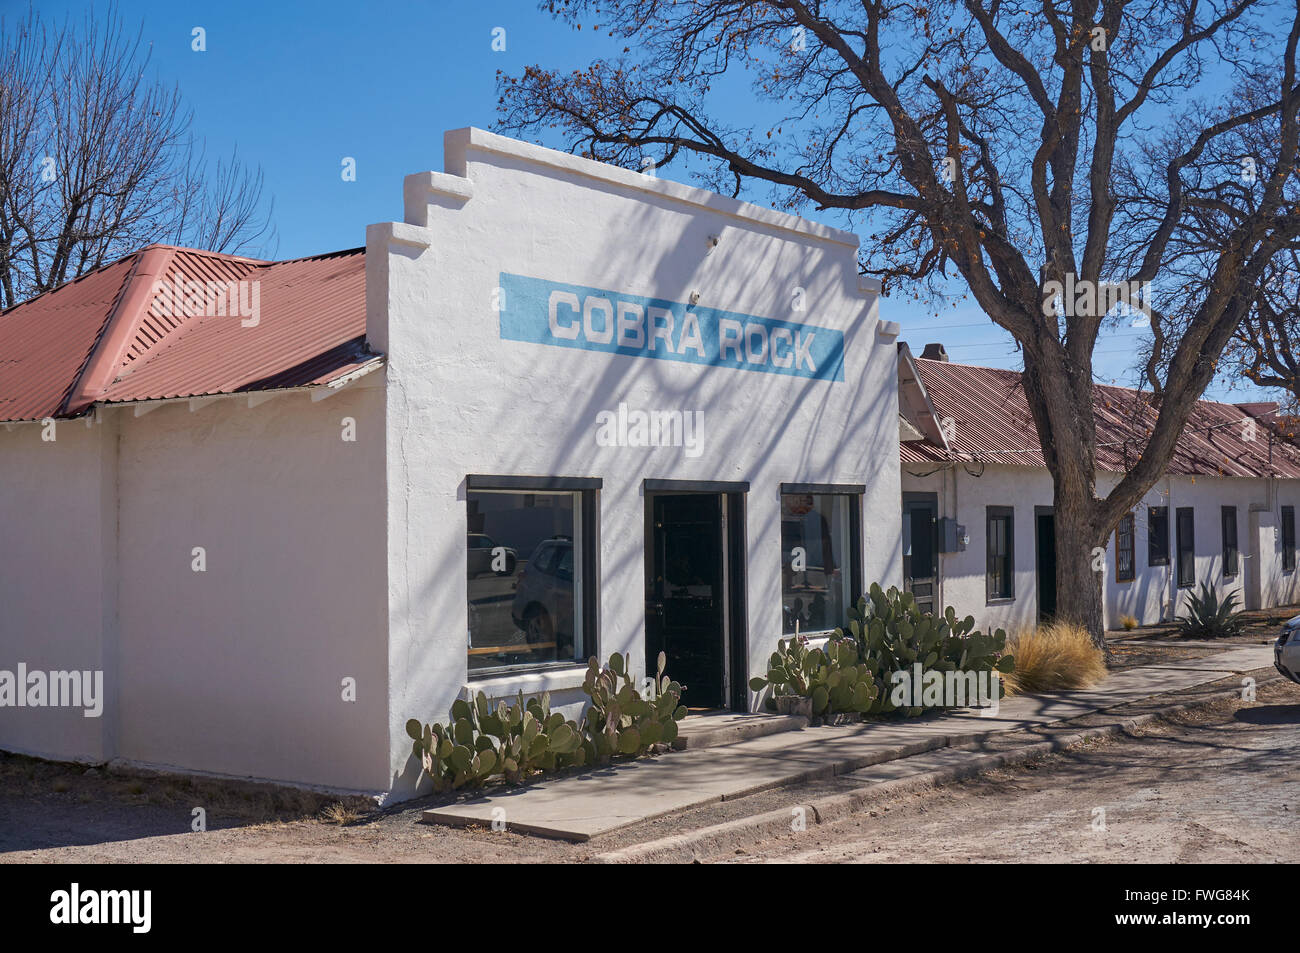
x=525, y=579
x=818, y=560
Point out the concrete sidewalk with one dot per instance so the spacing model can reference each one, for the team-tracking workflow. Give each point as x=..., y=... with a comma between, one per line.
x=580, y=807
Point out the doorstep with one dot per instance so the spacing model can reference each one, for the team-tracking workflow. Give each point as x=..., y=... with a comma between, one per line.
x=715, y=729
x=582, y=806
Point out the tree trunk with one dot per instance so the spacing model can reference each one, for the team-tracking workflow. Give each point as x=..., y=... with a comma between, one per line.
x=1055, y=390
x=1078, y=576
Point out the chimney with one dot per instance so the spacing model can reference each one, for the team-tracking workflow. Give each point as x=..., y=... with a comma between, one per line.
x=934, y=352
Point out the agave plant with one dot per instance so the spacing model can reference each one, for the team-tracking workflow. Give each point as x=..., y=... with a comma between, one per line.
x=1208, y=617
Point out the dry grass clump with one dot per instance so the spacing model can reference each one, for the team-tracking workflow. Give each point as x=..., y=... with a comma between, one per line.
x=1054, y=657
x=1128, y=622
x=340, y=813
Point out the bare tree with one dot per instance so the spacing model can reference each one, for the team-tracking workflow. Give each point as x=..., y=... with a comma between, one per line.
x=1223, y=193
x=989, y=139
x=1266, y=347
x=97, y=160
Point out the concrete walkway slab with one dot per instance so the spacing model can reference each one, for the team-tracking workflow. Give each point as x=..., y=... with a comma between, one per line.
x=579, y=807
x=1211, y=644
x=715, y=729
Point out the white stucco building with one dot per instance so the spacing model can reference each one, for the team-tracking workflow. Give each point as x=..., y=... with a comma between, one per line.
x=978, y=504
x=561, y=409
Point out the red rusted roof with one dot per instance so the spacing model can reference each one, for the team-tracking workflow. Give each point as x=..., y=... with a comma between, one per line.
x=166, y=322
x=991, y=422
x=45, y=342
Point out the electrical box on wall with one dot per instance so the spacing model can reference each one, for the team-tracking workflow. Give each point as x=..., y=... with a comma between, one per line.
x=952, y=536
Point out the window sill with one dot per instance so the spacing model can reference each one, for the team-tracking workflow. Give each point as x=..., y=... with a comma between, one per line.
x=815, y=640
x=530, y=683
x=820, y=635
x=1000, y=602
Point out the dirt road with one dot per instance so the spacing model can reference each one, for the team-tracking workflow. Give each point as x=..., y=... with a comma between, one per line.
x=1221, y=786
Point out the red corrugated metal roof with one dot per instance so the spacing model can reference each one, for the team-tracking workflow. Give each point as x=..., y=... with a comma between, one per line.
x=991, y=422
x=45, y=342
x=152, y=326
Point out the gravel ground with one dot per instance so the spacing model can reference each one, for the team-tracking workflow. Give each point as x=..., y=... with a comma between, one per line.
x=1162, y=643
x=1262, y=625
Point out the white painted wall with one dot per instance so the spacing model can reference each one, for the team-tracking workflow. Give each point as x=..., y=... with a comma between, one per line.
x=1153, y=595
x=965, y=498
x=237, y=670
x=232, y=671
x=56, y=570
x=462, y=400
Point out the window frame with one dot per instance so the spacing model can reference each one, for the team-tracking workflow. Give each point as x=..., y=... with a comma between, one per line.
x=855, y=492
x=1190, y=582
x=1154, y=558
x=586, y=513
x=1231, y=548
x=1132, y=548
x=992, y=513
x=1288, y=548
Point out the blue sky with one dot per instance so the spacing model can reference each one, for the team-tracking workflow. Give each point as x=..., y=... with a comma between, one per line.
x=296, y=87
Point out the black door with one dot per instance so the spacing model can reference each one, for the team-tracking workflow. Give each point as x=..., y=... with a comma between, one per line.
x=1185, y=530
x=685, y=593
x=920, y=563
x=1046, y=538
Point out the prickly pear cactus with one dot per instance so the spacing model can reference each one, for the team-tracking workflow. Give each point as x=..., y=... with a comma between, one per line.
x=624, y=719
x=885, y=632
x=480, y=743
x=510, y=742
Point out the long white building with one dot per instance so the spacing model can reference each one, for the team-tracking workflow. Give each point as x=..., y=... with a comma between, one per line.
x=978, y=521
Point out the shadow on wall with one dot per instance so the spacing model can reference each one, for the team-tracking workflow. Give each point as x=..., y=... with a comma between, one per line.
x=689, y=263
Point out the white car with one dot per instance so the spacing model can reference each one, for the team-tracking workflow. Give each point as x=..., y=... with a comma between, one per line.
x=1286, y=650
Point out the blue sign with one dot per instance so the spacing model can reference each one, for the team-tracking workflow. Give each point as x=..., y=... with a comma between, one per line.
x=563, y=315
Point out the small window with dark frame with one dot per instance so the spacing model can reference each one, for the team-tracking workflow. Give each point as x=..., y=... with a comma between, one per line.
x=1157, y=536
x=1185, y=531
x=1231, y=557
x=1125, y=557
x=1001, y=550
x=820, y=559
x=1288, y=539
